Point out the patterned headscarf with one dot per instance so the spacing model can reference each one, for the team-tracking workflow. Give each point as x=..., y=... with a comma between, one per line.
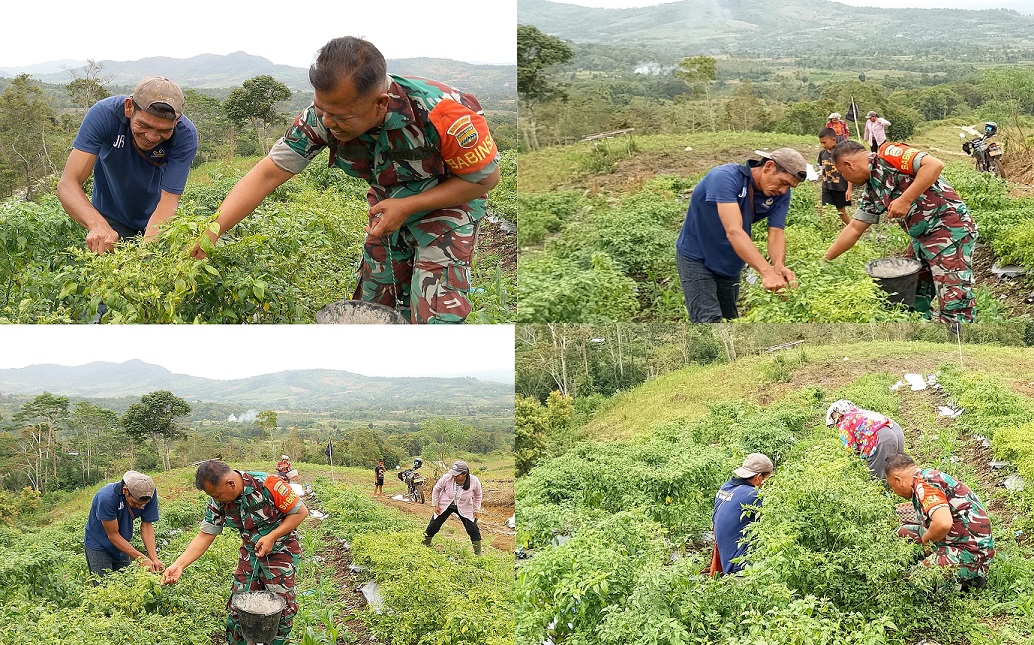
x=843, y=406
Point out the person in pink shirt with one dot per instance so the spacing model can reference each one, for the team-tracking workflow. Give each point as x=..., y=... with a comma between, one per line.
x=457, y=492
x=875, y=135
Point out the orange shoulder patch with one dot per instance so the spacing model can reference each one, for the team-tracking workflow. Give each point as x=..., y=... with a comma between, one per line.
x=899, y=155
x=284, y=498
x=467, y=145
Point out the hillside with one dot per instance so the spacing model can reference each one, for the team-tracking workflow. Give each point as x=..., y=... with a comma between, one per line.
x=294, y=389
x=624, y=517
x=210, y=71
x=779, y=26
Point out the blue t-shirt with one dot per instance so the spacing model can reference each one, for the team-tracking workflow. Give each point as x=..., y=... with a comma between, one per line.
x=730, y=521
x=127, y=182
x=110, y=504
x=703, y=237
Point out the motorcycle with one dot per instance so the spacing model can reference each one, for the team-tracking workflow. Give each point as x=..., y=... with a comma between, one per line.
x=414, y=483
x=987, y=155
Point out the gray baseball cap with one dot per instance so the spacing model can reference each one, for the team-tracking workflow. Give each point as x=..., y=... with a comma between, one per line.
x=159, y=96
x=754, y=463
x=139, y=484
x=459, y=468
x=789, y=160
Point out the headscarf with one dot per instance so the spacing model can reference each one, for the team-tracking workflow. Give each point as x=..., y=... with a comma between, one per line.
x=859, y=429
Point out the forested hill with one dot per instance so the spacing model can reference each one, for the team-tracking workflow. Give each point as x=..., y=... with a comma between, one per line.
x=781, y=26
x=208, y=71
x=295, y=389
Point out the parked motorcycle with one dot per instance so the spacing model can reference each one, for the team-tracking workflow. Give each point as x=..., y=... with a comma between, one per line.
x=987, y=155
x=414, y=482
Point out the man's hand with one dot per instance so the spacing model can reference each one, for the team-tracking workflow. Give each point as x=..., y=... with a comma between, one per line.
x=157, y=566
x=172, y=575
x=101, y=238
x=899, y=208
x=264, y=546
x=387, y=216
x=773, y=280
x=437, y=510
x=789, y=276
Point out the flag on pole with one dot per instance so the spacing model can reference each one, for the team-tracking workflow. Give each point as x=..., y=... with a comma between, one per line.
x=329, y=452
x=852, y=112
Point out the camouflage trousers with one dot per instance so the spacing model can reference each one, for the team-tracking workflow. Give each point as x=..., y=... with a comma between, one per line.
x=430, y=258
x=947, y=273
x=272, y=573
x=969, y=563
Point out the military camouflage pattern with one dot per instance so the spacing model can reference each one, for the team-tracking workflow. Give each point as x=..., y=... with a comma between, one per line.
x=968, y=547
x=943, y=235
x=431, y=253
x=430, y=257
x=254, y=514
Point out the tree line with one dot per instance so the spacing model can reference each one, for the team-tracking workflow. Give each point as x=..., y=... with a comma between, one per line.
x=568, y=91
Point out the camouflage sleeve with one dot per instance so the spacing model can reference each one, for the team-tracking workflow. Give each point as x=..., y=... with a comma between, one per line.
x=869, y=210
x=306, y=137
x=213, y=522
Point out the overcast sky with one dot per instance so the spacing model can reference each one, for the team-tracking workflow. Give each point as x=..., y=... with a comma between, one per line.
x=285, y=33
x=1023, y=6
x=226, y=352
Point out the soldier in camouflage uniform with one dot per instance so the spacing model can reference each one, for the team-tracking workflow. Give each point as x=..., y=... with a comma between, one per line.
x=429, y=158
x=953, y=523
x=905, y=183
x=266, y=512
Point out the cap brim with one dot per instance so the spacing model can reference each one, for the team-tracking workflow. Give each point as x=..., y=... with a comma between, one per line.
x=743, y=473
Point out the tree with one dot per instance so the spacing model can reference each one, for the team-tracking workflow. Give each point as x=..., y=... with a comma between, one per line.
x=154, y=418
x=90, y=422
x=86, y=86
x=42, y=415
x=216, y=135
x=266, y=420
x=448, y=434
x=28, y=127
x=531, y=422
x=255, y=104
x=700, y=73
x=536, y=52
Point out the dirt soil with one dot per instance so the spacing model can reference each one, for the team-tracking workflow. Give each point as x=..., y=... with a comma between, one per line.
x=1015, y=290
x=493, y=240
x=349, y=584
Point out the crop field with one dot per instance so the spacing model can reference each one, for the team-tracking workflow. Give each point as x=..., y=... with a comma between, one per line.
x=299, y=251
x=598, y=224
x=46, y=596
x=616, y=525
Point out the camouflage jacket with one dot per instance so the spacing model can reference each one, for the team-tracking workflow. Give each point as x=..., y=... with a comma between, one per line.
x=431, y=132
x=263, y=505
x=971, y=527
x=938, y=209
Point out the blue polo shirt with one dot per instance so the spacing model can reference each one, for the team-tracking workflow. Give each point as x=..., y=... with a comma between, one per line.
x=110, y=504
x=128, y=182
x=730, y=520
x=703, y=237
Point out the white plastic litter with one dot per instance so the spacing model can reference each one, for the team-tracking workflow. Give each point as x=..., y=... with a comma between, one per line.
x=946, y=411
x=984, y=441
x=345, y=545
x=1008, y=270
x=998, y=465
x=916, y=381
x=1013, y=482
x=298, y=490
x=372, y=592
x=560, y=539
x=355, y=568
x=846, y=358
x=512, y=522
x=897, y=386
x=317, y=514
x=398, y=498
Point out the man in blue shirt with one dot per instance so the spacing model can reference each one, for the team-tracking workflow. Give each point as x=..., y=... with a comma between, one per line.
x=139, y=149
x=715, y=240
x=733, y=511
x=109, y=527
